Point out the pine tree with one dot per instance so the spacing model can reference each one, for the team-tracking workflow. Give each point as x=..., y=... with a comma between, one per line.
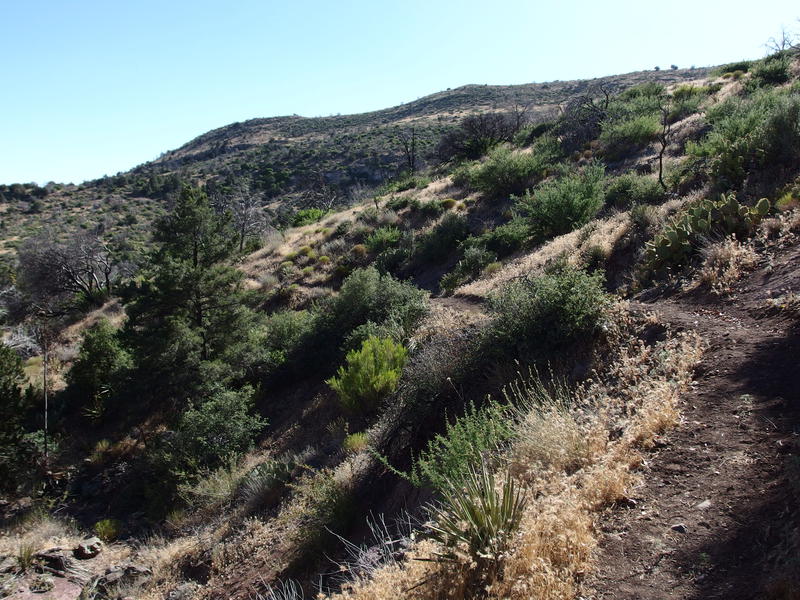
x=187, y=325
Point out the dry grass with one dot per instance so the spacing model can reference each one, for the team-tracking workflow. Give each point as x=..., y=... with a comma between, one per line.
x=724, y=263
x=579, y=470
x=601, y=236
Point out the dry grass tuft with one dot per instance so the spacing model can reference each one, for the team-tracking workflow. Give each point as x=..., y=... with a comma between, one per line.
x=724, y=263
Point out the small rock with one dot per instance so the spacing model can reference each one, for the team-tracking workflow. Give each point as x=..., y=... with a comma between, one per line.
x=679, y=527
x=704, y=504
x=8, y=564
x=88, y=548
x=185, y=591
x=41, y=584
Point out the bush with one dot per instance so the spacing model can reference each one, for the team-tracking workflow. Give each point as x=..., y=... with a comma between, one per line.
x=534, y=317
x=215, y=430
x=629, y=189
x=383, y=238
x=438, y=243
x=507, y=172
x=100, y=367
x=772, y=70
x=476, y=135
x=307, y=216
x=447, y=458
x=751, y=134
x=469, y=267
x=681, y=238
x=741, y=66
x=372, y=373
x=558, y=207
x=107, y=529
x=504, y=239
x=355, y=443
x=367, y=296
x=283, y=333
x=622, y=138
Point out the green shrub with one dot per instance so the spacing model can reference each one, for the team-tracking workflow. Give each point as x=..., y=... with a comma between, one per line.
x=283, y=333
x=383, y=238
x=476, y=519
x=741, y=66
x=307, y=216
x=397, y=203
x=507, y=172
x=438, y=243
x=447, y=458
x=100, y=367
x=533, y=317
x=629, y=189
x=504, y=239
x=622, y=138
x=469, y=267
x=772, y=70
x=368, y=296
x=355, y=443
x=107, y=529
x=264, y=484
x=559, y=206
x=448, y=203
x=372, y=373
x=751, y=134
x=213, y=431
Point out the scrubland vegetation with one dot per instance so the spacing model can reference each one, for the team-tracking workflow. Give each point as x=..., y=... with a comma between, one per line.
x=438, y=387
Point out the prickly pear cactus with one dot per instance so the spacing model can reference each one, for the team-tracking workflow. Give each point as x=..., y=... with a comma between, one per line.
x=677, y=243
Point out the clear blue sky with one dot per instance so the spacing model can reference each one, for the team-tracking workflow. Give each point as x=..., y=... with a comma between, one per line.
x=94, y=87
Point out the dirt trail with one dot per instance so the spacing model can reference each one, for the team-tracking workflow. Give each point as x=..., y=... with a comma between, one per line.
x=715, y=503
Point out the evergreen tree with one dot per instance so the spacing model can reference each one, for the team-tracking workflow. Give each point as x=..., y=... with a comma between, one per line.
x=187, y=326
x=14, y=455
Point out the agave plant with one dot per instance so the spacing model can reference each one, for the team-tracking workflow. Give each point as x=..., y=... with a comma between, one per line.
x=477, y=518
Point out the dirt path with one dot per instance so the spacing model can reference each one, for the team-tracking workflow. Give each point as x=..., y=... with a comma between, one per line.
x=715, y=506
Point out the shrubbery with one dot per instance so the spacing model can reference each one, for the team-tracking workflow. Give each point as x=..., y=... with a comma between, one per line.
x=629, y=189
x=448, y=457
x=537, y=316
x=371, y=374
x=475, y=259
x=621, y=138
x=383, y=238
x=748, y=134
x=507, y=172
x=438, y=243
x=101, y=365
x=307, y=216
x=559, y=206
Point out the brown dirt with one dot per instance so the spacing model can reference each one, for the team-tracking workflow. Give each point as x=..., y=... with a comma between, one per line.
x=716, y=503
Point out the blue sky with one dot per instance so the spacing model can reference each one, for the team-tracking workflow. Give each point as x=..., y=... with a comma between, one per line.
x=93, y=88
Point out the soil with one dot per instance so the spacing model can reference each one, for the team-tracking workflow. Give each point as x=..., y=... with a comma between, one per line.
x=715, y=515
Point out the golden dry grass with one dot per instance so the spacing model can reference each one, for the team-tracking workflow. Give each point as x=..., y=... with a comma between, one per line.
x=724, y=263
x=571, y=483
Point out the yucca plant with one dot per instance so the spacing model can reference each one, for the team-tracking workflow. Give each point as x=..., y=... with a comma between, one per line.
x=474, y=517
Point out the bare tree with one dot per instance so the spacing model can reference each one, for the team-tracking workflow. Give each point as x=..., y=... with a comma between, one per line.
x=50, y=269
x=249, y=214
x=408, y=141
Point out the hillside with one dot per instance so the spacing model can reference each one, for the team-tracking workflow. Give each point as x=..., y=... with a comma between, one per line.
x=555, y=361
x=289, y=162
